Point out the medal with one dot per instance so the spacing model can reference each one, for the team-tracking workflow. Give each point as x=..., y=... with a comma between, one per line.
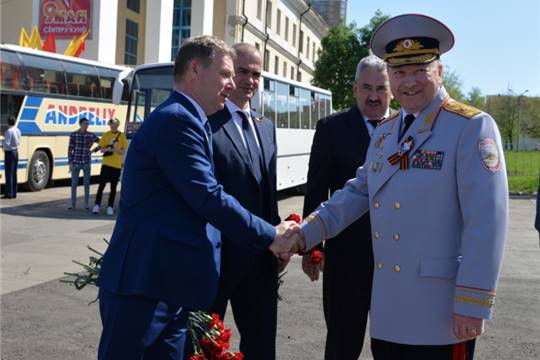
x=402, y=156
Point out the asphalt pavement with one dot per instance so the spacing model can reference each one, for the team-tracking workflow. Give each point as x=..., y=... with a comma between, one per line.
x=44, y=319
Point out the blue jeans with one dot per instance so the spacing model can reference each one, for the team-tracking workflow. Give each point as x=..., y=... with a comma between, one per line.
x=75, y=171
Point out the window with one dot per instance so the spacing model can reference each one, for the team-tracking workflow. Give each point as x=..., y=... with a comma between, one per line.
x=276, y=65
x=269, y=14
x=44, y=75
x=259, y=9
x=278, y=22
x=313, y=52
x=301, y=42
x=107, y=77
x=132, y=40
x=299, y=76
x=286, y=28
x=10, y=71
x=284, y=69
x=258, y=46
x=304, y=108
x=307, y=48
x=269, y=99
x=294, y=35
x=292, y=72
x=315, y=109
x=294, y=102
x=134, y=5
x=266, y=60
x=82, y=80
x=282, y=105
x=181, y=25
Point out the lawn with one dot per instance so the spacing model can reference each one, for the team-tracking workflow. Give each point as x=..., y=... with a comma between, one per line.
x=523, y=170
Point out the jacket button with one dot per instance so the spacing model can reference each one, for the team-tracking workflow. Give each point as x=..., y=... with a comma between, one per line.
x=379, y=266
x=397, y=268
x=377, y=205
x=397, y=205
x=396, y=237
x=377, y=235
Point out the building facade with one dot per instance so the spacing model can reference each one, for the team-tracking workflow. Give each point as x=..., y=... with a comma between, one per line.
x=288, y=33
x=332, y=11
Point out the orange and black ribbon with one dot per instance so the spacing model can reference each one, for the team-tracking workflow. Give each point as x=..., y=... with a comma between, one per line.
x=402, y=156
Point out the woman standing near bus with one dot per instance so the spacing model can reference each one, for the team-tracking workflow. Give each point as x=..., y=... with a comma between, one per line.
x=112, y=144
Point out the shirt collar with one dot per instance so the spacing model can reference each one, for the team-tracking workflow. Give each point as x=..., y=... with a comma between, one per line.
x=232, y=107
x=197, y=107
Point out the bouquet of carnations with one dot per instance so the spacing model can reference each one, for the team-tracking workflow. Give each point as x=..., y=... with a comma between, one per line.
x=210, y=338
x=316, y=255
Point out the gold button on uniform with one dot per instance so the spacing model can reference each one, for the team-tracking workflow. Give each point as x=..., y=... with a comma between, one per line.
x=377, y=235
x=379, y=266
x=397, y=268
x=396, y=237
x=376, y=205
x=397, y=205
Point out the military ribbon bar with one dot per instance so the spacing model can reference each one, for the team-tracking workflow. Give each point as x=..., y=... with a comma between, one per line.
x=402, y=156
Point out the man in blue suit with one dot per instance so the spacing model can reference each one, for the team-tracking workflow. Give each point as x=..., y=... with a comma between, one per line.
x=245, y=154
x=162, y=258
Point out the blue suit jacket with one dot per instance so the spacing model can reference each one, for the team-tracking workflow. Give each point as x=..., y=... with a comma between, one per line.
x=234, y=171
x=159, y=247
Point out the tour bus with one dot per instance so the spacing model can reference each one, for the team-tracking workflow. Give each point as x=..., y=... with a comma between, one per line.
x=48, y=94
x=293, y=107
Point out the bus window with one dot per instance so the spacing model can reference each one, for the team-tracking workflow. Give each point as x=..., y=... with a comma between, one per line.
x=10, y=105
x=107, y=77
x=10, y=71
x=328, y=104
x=282, y=103
x=294, y=111
x=43, y=75
x=82, y=80
x=304, y=108
x=315, y=113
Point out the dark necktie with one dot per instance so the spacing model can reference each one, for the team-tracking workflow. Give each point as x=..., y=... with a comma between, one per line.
x=409, y=118
x=251, y=144
x=374, y=123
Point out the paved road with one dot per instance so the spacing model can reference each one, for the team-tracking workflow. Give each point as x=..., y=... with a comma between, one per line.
x=44, y=319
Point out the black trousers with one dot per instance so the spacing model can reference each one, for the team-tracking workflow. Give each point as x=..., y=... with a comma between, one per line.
x=252, y=290
x=347, y=278
x=385, y=350
x=111, y=175
x=11, y=162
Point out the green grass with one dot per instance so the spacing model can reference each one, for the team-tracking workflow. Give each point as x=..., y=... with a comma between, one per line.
x=523, y=170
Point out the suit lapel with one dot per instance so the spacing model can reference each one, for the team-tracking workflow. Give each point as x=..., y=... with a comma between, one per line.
x=234, y=135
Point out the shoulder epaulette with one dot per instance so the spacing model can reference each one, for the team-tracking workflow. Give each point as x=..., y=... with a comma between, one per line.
x=391, y=117
x=464, y=110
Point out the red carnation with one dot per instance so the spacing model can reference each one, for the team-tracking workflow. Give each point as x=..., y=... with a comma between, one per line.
x=294, y=217
x=316, y=257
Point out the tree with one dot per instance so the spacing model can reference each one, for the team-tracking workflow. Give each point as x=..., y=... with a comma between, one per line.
x=341, y=51
x=452, y=84
x=529, y=115
x=476, y=99
x=335, y=68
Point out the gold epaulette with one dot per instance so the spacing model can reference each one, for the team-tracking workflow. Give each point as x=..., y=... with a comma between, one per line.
x=392, y=116
x=461, y=109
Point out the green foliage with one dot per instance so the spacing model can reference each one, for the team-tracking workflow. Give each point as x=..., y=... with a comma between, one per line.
x=341, y=50
x=452, y=84
x=476, y=99
x=523, y=169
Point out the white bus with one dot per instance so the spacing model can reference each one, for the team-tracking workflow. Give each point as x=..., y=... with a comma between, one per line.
x=293, y=107
x=48, y=94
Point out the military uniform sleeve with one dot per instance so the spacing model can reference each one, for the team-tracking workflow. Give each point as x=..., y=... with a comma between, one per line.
x=483, y=196
x=342, y=209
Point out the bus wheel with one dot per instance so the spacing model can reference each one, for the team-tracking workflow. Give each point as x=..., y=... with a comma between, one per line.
x=39, y=171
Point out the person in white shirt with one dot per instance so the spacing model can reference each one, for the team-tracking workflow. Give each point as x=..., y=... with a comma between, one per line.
x=10, y=144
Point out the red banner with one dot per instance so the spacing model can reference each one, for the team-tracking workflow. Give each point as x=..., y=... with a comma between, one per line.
x=64, y=18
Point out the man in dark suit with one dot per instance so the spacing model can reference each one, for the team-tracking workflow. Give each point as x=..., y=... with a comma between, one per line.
x=339, y=148
x=245, y=156
x=163, y=257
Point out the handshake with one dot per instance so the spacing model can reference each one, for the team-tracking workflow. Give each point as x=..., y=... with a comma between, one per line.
x=288, y=241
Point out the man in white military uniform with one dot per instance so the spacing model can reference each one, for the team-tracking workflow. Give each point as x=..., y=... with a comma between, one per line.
x=435, y=183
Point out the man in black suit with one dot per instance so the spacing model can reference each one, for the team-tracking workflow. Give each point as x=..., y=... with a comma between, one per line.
x=245, y=164
x=339, y=148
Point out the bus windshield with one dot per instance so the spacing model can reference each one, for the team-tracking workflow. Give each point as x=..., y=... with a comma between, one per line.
x=150, y=87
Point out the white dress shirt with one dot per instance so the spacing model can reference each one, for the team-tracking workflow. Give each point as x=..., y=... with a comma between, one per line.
x=233, y=108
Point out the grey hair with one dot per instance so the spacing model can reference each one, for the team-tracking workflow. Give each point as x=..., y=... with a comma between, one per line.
x=370, y=61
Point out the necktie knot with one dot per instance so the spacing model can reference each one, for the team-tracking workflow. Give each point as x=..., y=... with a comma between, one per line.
x=408, y=121
x=374, y=123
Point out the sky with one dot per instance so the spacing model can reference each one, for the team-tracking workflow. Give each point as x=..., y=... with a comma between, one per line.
x=497, y=42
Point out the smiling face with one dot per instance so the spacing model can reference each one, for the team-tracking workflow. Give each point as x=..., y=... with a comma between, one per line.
x=372, y=93
x=415, y=86
x=247, y=68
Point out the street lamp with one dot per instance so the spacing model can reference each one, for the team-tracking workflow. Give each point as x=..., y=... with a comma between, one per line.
x=519, y=117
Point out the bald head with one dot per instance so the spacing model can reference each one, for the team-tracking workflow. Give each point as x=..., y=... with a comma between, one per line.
x=247, y=68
